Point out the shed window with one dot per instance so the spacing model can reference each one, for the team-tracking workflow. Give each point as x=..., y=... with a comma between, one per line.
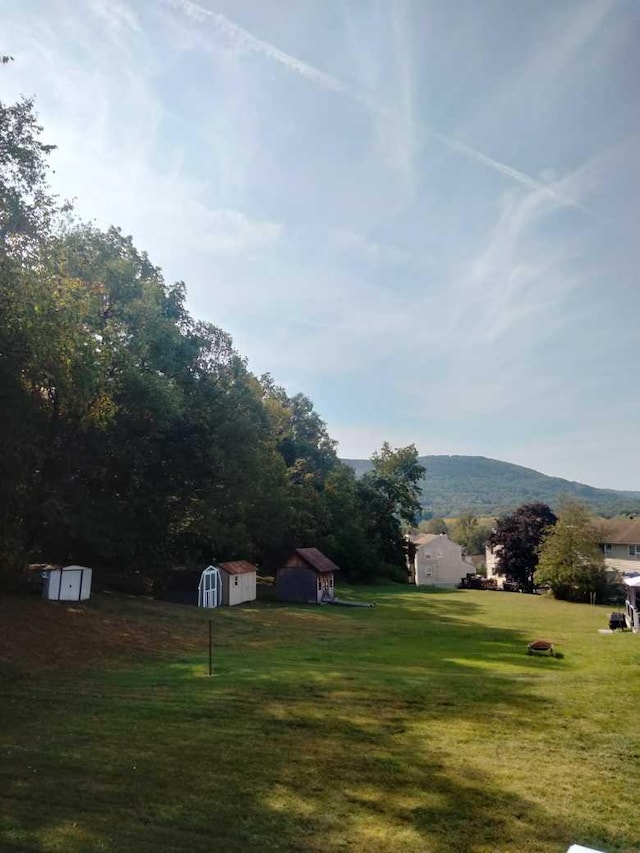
x=319, y=582
x=235, y=581
x=330, y=580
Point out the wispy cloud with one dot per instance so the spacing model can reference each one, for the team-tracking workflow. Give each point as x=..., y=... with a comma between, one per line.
x=554, y=62
x=240, y=39
x=116, y=15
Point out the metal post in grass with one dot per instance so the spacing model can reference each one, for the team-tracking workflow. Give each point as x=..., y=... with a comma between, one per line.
x=210, y=647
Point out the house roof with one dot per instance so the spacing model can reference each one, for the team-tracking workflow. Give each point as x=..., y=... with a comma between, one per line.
x=425, y=538
x=317, y=560
x=238, y=567
x=619, y=531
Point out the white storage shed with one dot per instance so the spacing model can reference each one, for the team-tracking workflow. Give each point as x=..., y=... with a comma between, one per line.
x=69, y=583
x=238, y=582
x=210, y=588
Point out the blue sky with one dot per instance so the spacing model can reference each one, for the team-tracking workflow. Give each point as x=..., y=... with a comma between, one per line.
x=423, y=215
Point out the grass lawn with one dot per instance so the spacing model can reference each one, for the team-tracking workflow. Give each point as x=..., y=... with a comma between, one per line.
x=419, y=725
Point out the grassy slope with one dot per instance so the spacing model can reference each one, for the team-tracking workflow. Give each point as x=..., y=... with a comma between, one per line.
x=420, y=725
x=457, y=484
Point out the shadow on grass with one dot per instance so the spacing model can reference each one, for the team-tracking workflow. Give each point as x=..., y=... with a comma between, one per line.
x=328, y=736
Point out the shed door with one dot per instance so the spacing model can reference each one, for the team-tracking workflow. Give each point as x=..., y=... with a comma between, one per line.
x=246, y=587
x=210, y=597
x=70, y=585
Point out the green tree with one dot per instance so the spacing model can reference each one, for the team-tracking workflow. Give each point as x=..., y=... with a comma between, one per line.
x=434, y=525
x=27, y=211
x=470, y=533
x=135, y=435
x=570, y=560
x=391, y=495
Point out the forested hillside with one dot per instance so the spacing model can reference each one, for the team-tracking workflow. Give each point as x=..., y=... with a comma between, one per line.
x=134, y=436
x=456, y=484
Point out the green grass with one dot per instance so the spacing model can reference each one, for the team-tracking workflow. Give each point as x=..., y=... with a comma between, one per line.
x=420, y=725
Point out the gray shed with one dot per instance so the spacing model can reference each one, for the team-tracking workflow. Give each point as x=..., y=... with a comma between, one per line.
x=307, y=577
x=70, y=583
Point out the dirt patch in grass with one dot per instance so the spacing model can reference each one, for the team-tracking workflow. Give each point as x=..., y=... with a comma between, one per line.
x=50, y=636
x=41, y=635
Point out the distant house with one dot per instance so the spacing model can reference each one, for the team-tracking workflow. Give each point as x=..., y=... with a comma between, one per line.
x=620, y=543
x=238, y=582
x=306, y=577
x=491, y=556
x=437, y=561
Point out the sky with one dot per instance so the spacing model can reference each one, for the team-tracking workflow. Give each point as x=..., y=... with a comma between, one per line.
x=423, y=214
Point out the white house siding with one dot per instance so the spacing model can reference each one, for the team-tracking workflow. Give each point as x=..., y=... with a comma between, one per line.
x=617, y=558
x=491, y=562
x=440, y=562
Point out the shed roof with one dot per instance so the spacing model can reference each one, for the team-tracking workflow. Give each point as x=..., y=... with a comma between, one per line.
x=632, y=581
x=317, y=560
x=619, y=531
x=238, y=567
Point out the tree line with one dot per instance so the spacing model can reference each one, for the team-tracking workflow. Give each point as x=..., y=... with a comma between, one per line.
x=135, y=436
x=535, y=547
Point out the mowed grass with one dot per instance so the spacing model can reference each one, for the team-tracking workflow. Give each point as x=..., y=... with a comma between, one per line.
x=419, y=725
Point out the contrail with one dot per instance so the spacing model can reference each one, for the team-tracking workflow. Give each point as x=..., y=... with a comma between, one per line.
x=241, y=39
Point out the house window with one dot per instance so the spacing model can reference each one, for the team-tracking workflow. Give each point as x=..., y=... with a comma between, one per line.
x=607, y=548
x=634, y=550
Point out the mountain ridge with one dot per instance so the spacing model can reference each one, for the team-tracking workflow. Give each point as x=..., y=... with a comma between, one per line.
x=485, y=486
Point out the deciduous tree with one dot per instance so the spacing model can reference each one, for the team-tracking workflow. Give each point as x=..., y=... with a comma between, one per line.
x=570, y=560
x=516, y=539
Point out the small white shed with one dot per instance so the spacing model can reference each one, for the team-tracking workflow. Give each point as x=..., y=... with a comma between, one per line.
x=632, y=604
x=69, y=583
x=238, y=582
x=210, y=588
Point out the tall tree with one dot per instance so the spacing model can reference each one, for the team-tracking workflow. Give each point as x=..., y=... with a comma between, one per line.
x=570, y=559
x=391, y=494
x=27, y=210
x=516, y=539
x=470, y=533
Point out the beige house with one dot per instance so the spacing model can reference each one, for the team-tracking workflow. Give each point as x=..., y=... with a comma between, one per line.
x=437, y=561
x=491, y=562
x=620, y=542
x=238, y=582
